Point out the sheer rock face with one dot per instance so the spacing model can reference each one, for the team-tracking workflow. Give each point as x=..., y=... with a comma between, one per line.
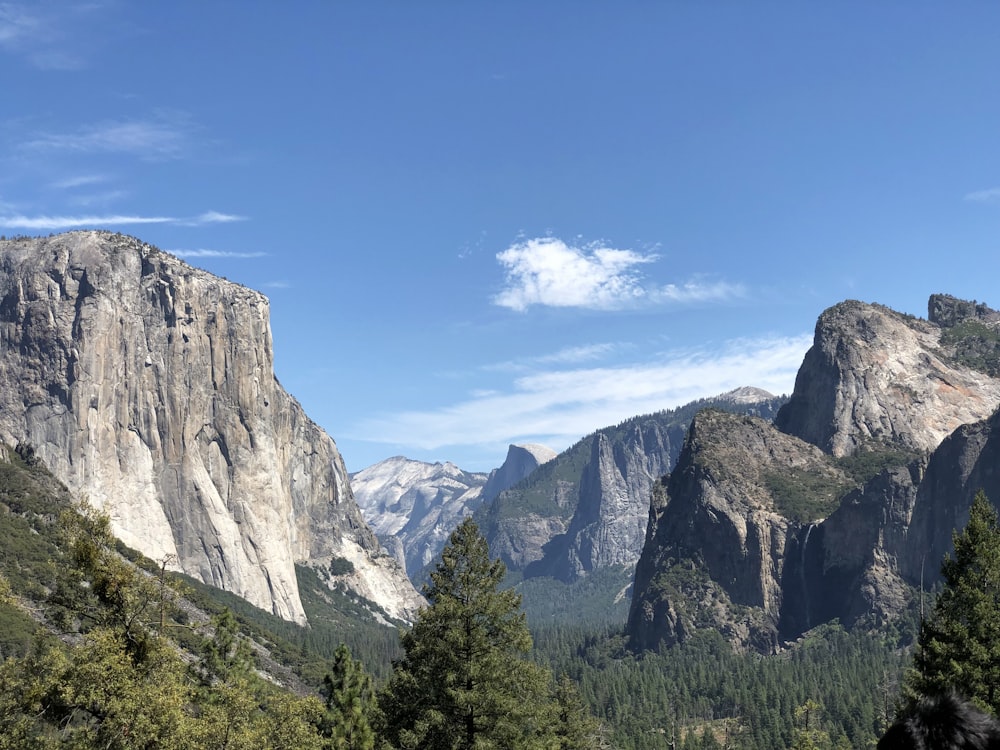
x=147, y=386
x=717, y=547
x=874, y=375
x=609, y=526
x=588, y=508
x=520, y=462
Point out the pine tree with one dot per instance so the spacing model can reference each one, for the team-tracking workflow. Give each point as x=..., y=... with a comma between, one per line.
x=575, y=728
x=959, y=645
x=350, y=704
x=464, y=681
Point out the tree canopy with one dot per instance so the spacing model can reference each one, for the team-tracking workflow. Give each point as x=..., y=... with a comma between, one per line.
x=959, y=644
x=464, y=681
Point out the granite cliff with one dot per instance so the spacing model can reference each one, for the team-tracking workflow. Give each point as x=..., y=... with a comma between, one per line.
x=587, y=509
x=147, y=386
x=843, y=505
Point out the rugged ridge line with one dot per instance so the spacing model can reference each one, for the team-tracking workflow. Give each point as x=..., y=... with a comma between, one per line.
x=857, y=486
x=413, y=506
x=588, y=508
x=147, y=386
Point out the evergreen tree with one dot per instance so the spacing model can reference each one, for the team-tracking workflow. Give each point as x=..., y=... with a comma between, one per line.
x=350, y=704
x=464, y=682
x=959, y=645
x=575, y=728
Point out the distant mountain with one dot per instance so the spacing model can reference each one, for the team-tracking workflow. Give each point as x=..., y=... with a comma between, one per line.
x=414, y=506
x=587, y=509
x=847, y=502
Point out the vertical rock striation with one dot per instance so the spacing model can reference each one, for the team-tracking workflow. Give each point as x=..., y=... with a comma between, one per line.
x=148, y=387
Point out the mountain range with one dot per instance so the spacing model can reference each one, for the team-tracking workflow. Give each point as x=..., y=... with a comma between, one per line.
x=413, y=506
x=147, y=387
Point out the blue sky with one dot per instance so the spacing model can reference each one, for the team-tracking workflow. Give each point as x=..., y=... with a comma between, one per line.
x=483, y=223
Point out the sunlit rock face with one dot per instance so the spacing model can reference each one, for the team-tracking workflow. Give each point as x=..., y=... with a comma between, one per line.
x=874, y=375
x=148, y=387
x=413, y=506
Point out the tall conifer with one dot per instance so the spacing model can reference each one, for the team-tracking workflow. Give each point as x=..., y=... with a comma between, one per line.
x=464, y=681
x=959, y=644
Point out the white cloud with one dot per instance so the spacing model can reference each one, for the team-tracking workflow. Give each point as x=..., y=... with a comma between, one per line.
x=78, y=181
x=202, y=253
x=57, y=223
x=992, y=195
x=569, y=355
x=73, y=222
x=559, y=407
x=215, y=217
x=547, y=271
x=48, y=36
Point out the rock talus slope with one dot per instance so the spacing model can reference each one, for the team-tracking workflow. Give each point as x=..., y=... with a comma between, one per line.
x=148, y=387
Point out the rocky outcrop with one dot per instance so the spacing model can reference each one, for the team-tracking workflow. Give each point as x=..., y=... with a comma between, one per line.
x=147, y=386
x=718, y=546
x=520, y=462
x=609, y=525
x=875, y=376
x=897, y=406
x=588, y=509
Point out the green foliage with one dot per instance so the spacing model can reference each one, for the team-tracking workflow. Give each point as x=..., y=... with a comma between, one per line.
x=341, y=566
x=959, y=644
x=656, y=699
x=584, y=601
x=866, y=464
x=805, y=495
x=351, y=709
x=464, y=680
x=975, y=345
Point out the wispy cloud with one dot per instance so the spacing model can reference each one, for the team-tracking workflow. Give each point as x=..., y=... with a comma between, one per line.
x=567, y=356
x=212, y=217
x=56, y=223
x=559, y=407
x=47, y=36
x=73, y=222
x=83, y=180
x=991, y=195
x=165, y=136
x=548, y=271
x=276, y=285
x=202, y=253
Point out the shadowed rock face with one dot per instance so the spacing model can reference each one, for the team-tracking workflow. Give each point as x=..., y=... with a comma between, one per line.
x=147, y=386
x=588, y=508
x=718, y=545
